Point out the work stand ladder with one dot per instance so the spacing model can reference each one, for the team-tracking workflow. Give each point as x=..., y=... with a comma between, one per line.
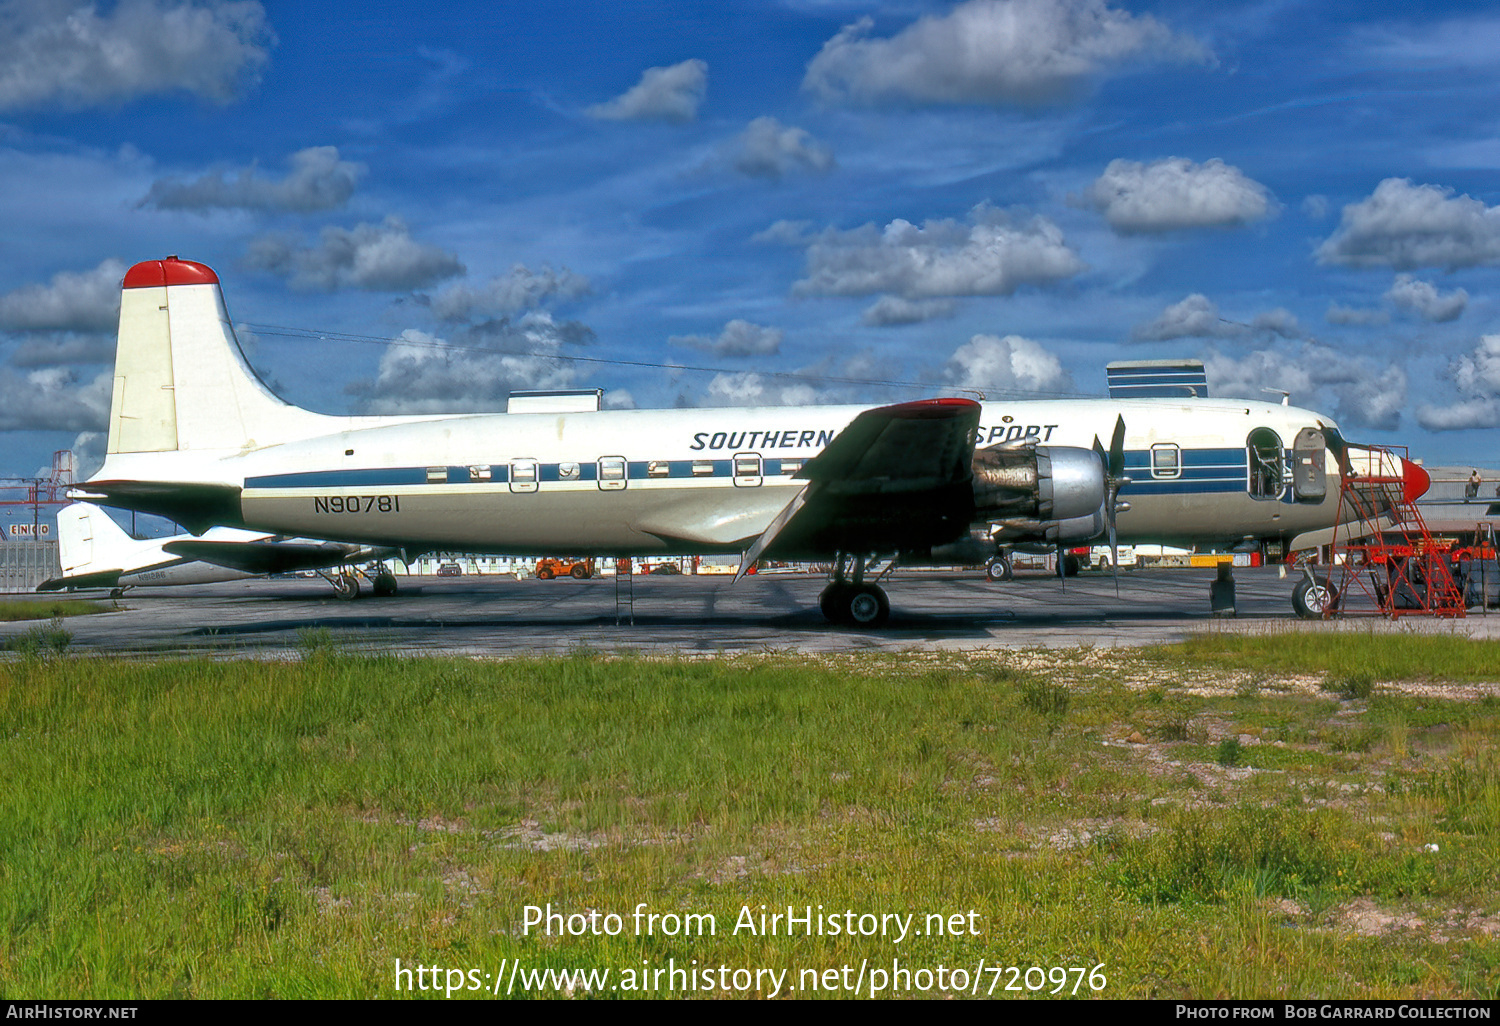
x=624, y=590
x=1387, y=562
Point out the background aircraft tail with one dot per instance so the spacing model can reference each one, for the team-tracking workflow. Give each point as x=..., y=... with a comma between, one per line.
x=87, y=540
x=181, y=381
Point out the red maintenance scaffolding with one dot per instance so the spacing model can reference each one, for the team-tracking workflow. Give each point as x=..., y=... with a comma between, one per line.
x=1386, y=561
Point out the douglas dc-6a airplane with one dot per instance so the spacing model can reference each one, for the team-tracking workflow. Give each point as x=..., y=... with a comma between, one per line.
x=194, y=435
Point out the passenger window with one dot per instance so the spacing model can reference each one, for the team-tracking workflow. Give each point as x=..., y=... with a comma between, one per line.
x=747, y=470
x=1166, y=460
x=612, y=473
x=523, y=475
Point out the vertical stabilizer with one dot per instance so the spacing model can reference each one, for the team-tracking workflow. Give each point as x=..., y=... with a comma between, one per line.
x=181, y=381
x=87, y=540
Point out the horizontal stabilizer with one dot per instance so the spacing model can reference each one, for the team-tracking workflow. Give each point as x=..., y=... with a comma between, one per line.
x=96, y=579
x=269, y=557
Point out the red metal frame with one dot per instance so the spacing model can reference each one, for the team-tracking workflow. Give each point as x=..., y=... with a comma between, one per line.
x=38, y=493
x=1388, y=564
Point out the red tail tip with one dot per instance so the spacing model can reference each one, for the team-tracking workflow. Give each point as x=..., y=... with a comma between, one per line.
x=171, y=271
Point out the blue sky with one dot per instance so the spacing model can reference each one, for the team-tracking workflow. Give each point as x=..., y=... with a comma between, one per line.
x=757, y=203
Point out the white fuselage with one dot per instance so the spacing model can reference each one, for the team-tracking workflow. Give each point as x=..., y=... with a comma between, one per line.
x=706, y=480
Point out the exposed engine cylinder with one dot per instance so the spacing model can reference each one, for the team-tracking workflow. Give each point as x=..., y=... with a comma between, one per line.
x=1042, y=483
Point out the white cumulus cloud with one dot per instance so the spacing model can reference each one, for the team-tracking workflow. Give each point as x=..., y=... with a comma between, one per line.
x=992, y=51
x=1423, y=299
x=1175, y=193
x=1405, y=226
x=54, y=399
x=888, y=311
x=382, y=258
x=739, y=338
x=1477, y=376
x=993, y=255
x=1362, y=393
x=1009, y=364
x=1197, y=316
x=426, y=374
x=769, y=149
x=86, y=301
x=519, y=289
x=318, y=180
x=663, y=94
x=73, y=53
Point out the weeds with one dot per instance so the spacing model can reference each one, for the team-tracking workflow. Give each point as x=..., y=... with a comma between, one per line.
x=44, y=641
x=1355, y=686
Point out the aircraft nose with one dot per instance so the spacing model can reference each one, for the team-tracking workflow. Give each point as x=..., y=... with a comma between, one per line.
x=1415, y=480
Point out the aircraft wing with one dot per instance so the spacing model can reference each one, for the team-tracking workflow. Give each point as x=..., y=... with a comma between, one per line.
x=898, y=477
x=269, y=556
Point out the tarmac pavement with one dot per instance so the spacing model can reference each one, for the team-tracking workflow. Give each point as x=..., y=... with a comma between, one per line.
x=501, y=616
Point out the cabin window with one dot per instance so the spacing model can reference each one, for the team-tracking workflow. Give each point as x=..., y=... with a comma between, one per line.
x=1166, y=460
x=611, y=473
x=703, y=468
x=523, y=475
x=1266, y=475
x=747, y=470
x=659, y=468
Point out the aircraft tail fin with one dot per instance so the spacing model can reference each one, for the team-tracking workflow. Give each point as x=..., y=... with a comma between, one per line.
x=87, y=539
x=181, y=381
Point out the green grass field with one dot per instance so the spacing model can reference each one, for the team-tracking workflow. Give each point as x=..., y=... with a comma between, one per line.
x=46, y=609
x=1183, y=822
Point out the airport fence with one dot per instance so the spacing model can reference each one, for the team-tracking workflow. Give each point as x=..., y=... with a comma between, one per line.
x=25, y=563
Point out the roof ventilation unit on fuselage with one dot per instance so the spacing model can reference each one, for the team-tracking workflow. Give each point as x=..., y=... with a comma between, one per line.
x=568, y=400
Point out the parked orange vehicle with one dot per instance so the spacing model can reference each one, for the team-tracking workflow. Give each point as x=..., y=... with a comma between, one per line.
x=548, y=568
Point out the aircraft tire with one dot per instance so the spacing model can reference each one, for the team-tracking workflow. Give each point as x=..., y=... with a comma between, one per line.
x=1071, y=566
x=579, y=572
x=831, y=602
x=866, y=606
x=346, y=587
x=999, y=569
x=1311, y=600
x=385, y=584
x=114, y=593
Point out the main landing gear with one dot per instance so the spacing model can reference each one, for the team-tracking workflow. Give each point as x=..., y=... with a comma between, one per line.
x=346, y=582
x=853, y=603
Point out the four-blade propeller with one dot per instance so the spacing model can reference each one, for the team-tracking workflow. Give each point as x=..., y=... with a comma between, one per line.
x=1113, y=463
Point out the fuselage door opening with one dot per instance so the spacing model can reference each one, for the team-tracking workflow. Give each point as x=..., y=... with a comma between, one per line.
x=1266, y=478
x=612, y=473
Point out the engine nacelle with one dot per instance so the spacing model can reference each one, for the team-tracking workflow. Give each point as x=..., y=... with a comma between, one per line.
x=1040, y=483
x=1049, y=533
x=973, y=549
